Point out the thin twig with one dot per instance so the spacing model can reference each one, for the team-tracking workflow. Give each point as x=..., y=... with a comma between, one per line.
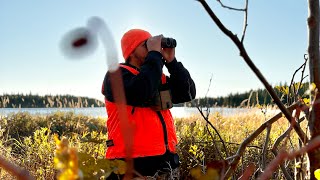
x=206, y=119
x=265, y=146
x=209, y=86
x=249, y=99
x=231, y=8
x=245, y=23
x=295, y=91
x=214, y=142
x=302, y=72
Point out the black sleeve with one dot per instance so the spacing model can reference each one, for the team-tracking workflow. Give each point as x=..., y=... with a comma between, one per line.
x=181, y=84
x=139, y=88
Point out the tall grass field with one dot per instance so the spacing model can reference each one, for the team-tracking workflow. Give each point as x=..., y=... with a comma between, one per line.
x=30, y=142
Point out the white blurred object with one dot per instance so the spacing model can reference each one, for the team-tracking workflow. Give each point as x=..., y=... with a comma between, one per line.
x=97, y=25
x=78, y=43
x=82, y=41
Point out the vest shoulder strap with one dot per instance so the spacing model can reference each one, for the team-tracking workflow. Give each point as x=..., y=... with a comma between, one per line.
x=131, y=69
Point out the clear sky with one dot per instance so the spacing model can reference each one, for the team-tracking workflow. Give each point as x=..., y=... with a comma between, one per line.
x=30, y=32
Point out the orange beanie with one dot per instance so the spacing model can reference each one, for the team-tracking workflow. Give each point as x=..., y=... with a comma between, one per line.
x=131, y=39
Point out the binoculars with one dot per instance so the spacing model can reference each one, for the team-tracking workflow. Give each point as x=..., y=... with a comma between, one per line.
x=168, y=42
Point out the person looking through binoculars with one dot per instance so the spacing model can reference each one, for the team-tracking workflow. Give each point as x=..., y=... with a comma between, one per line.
x=149, y=95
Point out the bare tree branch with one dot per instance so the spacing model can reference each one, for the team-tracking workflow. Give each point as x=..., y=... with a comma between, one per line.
x=279, y=139
x=302, y=72
x=275, y=152
x=248, y=172
x=314, y=69
x=228, y=7
x=245, y=24
x=231, y=143
x=283, y=155
x=249, y=139
x=248, y=60
x=295, y=91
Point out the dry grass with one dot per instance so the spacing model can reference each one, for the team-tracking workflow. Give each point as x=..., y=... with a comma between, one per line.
x=27, y=140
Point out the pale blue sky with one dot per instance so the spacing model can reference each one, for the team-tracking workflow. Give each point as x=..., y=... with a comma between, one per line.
x=30, y=32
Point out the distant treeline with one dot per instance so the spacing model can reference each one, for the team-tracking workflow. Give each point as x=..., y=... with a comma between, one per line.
x=254, y=97
x=47, y=101
x=249, y=98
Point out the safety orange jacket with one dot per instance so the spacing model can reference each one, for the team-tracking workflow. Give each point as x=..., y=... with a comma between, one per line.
x=154, y=131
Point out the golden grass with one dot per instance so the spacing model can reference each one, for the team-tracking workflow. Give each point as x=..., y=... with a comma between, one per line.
x=27, y=140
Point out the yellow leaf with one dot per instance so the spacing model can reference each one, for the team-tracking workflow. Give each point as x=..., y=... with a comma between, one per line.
x=312, y=86
x=306, y=101
x=317, y=174
x=297, y=85
x=120, y=167
x=286, y=90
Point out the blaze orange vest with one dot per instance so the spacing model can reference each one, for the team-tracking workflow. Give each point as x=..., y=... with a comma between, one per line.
x=154, y=131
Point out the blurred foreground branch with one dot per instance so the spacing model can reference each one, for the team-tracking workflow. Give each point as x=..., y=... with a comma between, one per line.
x=16, y=171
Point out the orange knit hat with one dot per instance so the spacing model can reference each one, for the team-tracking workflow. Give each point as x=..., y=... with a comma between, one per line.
x=131, y=39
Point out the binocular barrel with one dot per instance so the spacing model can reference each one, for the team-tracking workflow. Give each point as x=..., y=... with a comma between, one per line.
x=168, y=43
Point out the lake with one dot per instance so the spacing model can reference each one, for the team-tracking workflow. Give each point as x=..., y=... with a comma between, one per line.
x=177, y=112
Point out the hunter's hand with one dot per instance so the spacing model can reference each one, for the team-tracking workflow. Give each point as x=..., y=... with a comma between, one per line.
x=154, y=43
x=168, y=54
